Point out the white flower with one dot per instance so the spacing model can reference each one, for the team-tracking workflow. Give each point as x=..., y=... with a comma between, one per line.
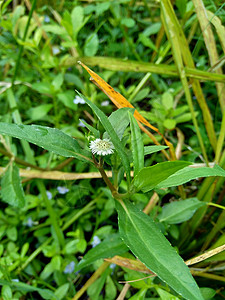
x=101, y=147
x=62, y=190
x=105, y=103
x=78, y=100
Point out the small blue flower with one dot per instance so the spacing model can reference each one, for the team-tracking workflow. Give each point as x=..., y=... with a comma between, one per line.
x=78, y=100
x=15, y=280
x=105, y=103
x=81, y=124
x=62, y=190
x=69, y=268
x=47, y=19
x=96, y=241
x=55, y=50
x=30, y=222
x=49, y=195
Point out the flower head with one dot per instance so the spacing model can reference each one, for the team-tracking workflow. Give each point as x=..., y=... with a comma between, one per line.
x=78, y=100
x=69, y=268
x=81, y=124
x=105, y=103
x=101, y=147
x=49, y=195
x=30, y=223
x=62, y=190
x=96, y=241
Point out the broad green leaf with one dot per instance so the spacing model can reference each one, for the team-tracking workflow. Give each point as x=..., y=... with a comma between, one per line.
x=91, y=45
x=67, y=99
x=137, y=145
x=208, y=293
x=150, y=246
x=169, y=124
x=128, y=22
x=56, y=29
x=42, y=87
x=167, y=100
x=153, y=149
x=179, y=211
x=111, y=132
x=39, y=112
x=120, y=120
x=150, y=177
x=191, y=173
x=48, y=138
x=77, y=17
x=12, y=191
x=58, y=81
x=61, y=292
x=108, y=248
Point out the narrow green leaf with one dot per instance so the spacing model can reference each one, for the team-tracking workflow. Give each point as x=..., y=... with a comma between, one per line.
x=137, y=145
x=48, y=138
x=20, y=286
x=150, y=177
x=153, y=149
x=91, y=128
x=179, y=211
x=111, y=132
x=150, y=246
x=12, y=190
x=108, y=248
x=191, y=173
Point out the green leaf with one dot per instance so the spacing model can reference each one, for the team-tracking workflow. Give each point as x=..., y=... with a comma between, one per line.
x=191, y=173
x=169, y=124
x=150, y=177
x=77, y=17
x=167, y=100
x=48, y=138
x=56, y=29
x=92, y=129
x=61, y=292
x=128, y=22
x=147, y=42
x=150, y=246
x=153, y=149
x=111, y=132
x=12, y=191
x=20, y=286
x=91, y=45
x=108, y=248
x=137, y=145
x=179, y=211
x=120, y=120
x=39, y=112
x=58, y=81
x=67, y=99
x=42, y=87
